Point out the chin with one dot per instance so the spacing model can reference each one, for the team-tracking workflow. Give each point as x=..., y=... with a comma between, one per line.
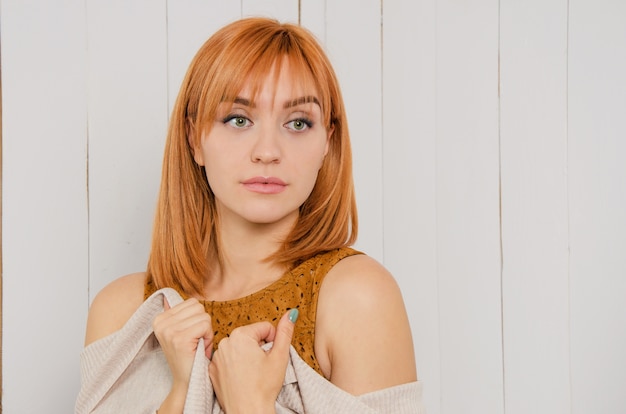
x=266, y=221
x=271, y=217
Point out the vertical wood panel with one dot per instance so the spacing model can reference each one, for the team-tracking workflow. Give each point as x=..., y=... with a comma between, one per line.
x=283, y=10
x=189, y=24
x=428, y=193
x=127, y=124
x=1, y=249
x=534, y=206
x=409, y=192
x=468, y=245
x=354, y=48
x=313, y=17
x=44, y=204
x=597, y=188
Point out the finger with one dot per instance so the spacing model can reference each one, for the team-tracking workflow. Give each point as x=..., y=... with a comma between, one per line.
x=260, y=332
x=208, y=342
x=284, y=331
x=191, y=303
x=162, y=316
x=208, y=349
x=200, y=323
x=185, y=316
x=183, y=310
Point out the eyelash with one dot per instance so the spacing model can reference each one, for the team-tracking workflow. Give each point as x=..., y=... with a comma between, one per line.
x=229, y=118
x=307, y=122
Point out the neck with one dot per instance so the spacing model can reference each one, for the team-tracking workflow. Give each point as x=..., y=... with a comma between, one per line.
x=245, y=247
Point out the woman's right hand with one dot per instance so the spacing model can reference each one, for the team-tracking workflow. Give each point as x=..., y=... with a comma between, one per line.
x=178, y=331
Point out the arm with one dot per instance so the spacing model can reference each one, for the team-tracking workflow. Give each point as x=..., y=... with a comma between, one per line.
x=177, y=329
x=363, y=339
x=113, y=306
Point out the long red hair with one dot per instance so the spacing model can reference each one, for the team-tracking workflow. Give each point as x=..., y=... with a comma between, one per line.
x=185, y=242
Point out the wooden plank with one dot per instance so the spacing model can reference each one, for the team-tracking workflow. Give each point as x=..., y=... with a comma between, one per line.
x=1, y=249
x=597, y=194
x=189, y=24
x=409, y=175
x=354, y=47
x=313, y=17
x=533, y=88
x=282, y=10
x=127, y=126
x=468, y=240
x=44, y=235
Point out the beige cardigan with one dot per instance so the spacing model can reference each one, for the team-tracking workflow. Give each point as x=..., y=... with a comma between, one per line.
x=126, y=372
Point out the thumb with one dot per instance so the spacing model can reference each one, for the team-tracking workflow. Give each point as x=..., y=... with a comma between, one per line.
x=284, y=331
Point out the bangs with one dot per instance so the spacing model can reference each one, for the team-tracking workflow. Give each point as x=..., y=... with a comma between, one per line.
x=246, y=61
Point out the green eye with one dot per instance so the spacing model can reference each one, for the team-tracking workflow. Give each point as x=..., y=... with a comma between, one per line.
x=237, y=121
x=299, y=124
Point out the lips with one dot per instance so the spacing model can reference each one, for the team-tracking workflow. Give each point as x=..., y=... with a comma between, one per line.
x=265, y=185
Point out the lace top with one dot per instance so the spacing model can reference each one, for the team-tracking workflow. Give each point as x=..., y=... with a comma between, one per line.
x=297, y=288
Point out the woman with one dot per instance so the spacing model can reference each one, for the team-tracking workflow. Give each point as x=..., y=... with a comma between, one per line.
x=254, y=219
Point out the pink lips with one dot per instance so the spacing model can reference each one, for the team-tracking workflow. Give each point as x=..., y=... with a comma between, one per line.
x=265, y=185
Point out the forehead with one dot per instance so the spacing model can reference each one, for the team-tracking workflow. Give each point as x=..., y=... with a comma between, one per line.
x=284, y=80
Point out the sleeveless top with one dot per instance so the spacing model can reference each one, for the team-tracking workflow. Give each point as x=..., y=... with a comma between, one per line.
x=297, y=288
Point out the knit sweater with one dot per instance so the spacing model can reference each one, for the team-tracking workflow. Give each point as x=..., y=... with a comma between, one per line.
x=127, y=372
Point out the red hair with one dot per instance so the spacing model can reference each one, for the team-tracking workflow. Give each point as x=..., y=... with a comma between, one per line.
x=185, y=242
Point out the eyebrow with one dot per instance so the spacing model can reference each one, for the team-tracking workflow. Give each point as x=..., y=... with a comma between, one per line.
x=299, y=101
x=243, y=101
x=302, y=100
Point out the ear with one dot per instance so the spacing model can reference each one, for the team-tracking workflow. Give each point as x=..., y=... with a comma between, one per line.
x=329, y=134
x=196, y=148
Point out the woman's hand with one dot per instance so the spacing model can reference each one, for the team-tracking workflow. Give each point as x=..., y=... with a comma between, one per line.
x=246, y=378
x=178, y=331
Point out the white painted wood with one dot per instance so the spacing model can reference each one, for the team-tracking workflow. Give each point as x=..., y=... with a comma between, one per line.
x=354, y=47
x=189, y=24
x=468, y=245
x=409, y=175
x=127, y=124
x=533, y=136
x=597, y=196
x=313, y=17
x=282, y=10
x=97, y=79
x=45, y=263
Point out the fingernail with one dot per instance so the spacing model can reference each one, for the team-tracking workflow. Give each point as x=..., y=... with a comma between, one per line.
x=293, y=315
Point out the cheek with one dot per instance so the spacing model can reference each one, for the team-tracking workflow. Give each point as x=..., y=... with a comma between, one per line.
x=219, y=161
x=309, y=170
x=320, y=152
x=216, y=170
x=321, y=162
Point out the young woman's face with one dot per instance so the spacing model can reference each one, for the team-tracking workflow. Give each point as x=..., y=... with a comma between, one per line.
x=263, y=153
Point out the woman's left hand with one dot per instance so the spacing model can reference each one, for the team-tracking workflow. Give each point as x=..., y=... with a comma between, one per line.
x=246, y=378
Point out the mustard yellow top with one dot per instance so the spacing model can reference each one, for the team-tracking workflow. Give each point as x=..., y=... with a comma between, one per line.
x=297, y=288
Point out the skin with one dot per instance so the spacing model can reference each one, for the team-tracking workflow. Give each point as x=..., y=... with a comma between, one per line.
x=363, y=341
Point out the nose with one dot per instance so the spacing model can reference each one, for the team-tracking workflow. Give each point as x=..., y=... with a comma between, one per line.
x=266, y=148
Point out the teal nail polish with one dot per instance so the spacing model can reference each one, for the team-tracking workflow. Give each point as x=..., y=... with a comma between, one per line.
x=293, y=315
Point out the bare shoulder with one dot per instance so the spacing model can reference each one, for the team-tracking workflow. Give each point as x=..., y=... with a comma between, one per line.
x=363, y=338
x=114, y=305
x=360, y=274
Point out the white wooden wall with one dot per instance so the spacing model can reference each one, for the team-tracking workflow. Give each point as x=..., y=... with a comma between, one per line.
x=490, y=161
